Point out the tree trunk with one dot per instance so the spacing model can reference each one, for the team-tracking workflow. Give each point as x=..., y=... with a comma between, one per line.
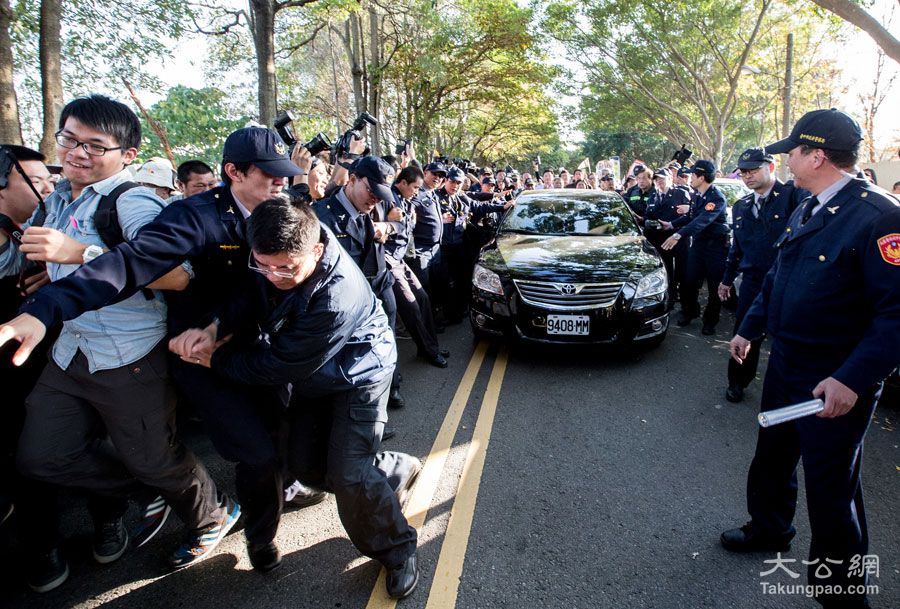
x=375, y=80
x=356, y=61
x=857, y=15
x=10, y=129
x=262, y=22
x=51, y=73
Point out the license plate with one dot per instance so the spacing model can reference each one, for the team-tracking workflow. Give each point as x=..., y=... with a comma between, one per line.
x=579, y=325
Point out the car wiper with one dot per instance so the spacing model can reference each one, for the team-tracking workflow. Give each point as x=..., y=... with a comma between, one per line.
x=520, y=231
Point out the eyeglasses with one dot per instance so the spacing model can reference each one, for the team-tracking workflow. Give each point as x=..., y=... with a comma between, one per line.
x=92, y=149
x=251, y=264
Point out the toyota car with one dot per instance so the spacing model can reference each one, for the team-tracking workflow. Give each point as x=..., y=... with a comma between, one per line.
x=570, y=266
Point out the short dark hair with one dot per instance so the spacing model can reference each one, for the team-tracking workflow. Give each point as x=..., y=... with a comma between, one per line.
x=277, y=226
x=188, y=167
x=845, y=159
x=896, y=184
x=17, y=153
x=106, y=115
x=391, y=160
x=241, y=167
x=409, y=174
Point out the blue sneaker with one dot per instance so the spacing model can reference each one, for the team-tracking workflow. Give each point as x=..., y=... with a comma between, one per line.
x=153, y=518
x=200, y=544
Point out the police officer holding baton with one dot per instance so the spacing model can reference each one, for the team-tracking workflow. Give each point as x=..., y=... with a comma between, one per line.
x=831, y=305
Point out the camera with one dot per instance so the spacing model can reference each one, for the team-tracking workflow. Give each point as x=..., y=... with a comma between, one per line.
x=401, y=147
x=283, y=127
x=319, y=143
x=682, y=155
x=653, y=224
x=342, y=147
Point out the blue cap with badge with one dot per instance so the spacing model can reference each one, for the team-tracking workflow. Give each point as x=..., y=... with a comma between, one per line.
x=436, y=167
x=754, y=158
x=456, y=175
x=378, y=174
x=830, y=129
x=703, y=168
x=261, y=147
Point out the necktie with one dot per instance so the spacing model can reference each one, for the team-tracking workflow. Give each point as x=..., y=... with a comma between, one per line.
x=369, y=253
x=754, y=209
x=808, y=210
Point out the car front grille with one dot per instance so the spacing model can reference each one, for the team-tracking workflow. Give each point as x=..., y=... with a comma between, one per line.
x=568, y=296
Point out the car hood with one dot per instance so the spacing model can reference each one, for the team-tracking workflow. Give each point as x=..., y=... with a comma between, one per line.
x=580, y=259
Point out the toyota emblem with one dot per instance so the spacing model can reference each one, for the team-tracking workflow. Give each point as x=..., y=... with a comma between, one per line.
x=567, y=289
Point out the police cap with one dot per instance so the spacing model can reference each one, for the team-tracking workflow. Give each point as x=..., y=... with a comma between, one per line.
x=378, y=173
x=754, y=158
x=703, y=168
x=456, y=175
x=830, y=129
x=261, y=147
x=436, y=167
x=661, y=173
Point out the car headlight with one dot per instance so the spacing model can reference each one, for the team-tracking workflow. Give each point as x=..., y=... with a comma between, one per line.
x=486, y=280
x=652, y=284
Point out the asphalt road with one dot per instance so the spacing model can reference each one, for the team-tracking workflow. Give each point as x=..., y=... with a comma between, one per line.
x=602, y=479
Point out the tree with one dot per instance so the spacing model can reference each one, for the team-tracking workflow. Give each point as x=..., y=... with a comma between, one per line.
x=10, y=129
x=852, y=12
x=51, y=72
x=195, y=121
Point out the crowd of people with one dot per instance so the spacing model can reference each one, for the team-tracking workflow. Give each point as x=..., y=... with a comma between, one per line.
x=267, y=300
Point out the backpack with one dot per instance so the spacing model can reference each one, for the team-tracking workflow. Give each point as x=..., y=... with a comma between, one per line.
x=106, y=221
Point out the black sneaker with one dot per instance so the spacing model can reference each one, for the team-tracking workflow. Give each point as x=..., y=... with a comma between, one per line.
x=110, y=540
x=47, y=571
x=684, y=320
x=748, y=539
x=200, y=544
x=264, y=557
x=734, y=394
x=299, y=495
x=152, y=519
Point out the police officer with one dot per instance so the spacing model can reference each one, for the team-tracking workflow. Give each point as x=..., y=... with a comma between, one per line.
x=456, y=251
x=328, y=336
x=661, y=207
x=831, y=306
x=758, y=219
x=356, y=214
x=209, y=231
x=429, y=225
x=706, y=224
x=638, y=195
x=413, y=303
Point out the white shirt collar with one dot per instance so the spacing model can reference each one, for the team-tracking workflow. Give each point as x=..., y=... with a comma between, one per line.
x=244, y=211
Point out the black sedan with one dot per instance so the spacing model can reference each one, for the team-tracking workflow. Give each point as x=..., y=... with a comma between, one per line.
x=570, y=266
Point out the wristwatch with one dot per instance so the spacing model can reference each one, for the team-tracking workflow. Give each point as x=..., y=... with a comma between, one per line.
x=90, y=252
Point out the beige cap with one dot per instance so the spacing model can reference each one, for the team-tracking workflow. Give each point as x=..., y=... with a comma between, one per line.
x=158, y=172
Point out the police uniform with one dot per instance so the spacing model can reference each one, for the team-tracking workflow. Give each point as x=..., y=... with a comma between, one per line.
x=208, y=230
x=413, y=303
x=428, y=230
x=661, y=207
x=637, y=199
x=757, y=222
x=707, y=227
x=831, y=307
x=456, y=251
x=330, y=338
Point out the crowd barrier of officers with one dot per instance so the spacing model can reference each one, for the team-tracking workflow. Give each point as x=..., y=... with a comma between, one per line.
x=262, y=299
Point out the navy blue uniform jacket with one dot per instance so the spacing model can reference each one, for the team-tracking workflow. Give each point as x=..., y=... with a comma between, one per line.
x=461, y=206
x=206, y=229
x=429, y=225
x=835, y=286
x=327, y=335
x=706, y=219
x=753, y=246
x=334, y=217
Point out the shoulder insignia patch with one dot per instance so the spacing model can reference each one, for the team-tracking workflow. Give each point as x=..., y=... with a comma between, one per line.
x=230, y=209
x=710, y=207
x=833, y=210
x=229, y=247
x=889, y=247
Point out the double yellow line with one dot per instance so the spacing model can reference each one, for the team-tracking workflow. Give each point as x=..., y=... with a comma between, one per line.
x=445, y=585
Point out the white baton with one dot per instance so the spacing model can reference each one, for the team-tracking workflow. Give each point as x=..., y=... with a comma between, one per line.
x=789, y=413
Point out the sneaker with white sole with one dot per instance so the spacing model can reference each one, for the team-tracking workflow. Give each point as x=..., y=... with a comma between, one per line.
x=110, y=540
x=200, y=544
x=153, y=517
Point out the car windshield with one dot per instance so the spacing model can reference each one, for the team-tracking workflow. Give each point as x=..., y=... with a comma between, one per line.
x=562, y=213
x=732, y=191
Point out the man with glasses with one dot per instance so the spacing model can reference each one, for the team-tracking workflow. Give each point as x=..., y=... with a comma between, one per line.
x=108, y=368
x=758, y=219
x=209, y=231
x=328, y=336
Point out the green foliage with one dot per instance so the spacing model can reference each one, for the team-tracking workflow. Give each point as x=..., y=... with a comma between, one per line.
x=195, y=124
